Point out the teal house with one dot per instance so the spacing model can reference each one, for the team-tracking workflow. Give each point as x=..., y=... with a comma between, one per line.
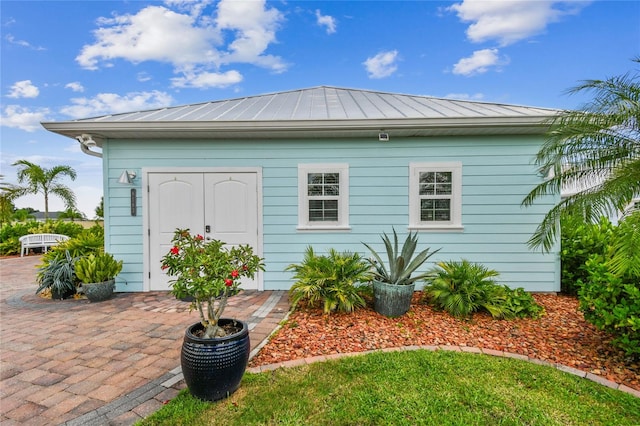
x=326, y=167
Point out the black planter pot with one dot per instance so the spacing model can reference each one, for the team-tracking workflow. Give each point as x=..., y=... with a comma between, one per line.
x=97, y=292
x=213, y=368
x=66, y=293
x=392, y=300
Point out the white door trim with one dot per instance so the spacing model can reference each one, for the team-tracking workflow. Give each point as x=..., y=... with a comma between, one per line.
x=145, y=209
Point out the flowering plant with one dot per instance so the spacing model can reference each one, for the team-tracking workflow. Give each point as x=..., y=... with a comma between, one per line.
x=209, y=272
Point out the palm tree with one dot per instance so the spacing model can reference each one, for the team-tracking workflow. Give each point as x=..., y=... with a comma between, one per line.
x=40, y=180
x=71, y=213
x=595, y=151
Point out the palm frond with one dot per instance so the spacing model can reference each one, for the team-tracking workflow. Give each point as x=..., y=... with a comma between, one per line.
x=595, y=151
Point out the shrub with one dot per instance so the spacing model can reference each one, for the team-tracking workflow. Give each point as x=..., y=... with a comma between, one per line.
x=521, y=304
x=97, y=268
x=70, y=229
x=579, y=241
x=332, y=280
x=610, y=296
x=462, y=288
x=10, y=234
x=89, y=241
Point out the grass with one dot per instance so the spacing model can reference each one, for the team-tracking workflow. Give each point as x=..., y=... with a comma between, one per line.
x=410, y=388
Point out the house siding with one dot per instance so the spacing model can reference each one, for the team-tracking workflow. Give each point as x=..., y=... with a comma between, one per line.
x=497, y=173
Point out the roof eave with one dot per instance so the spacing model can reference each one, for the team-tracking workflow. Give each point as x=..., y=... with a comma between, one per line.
x=300, y=128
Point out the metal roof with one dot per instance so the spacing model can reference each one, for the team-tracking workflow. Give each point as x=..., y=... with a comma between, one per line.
x=331, y=111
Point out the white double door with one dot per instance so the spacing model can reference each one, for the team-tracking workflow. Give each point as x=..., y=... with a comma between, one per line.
x=222, y=206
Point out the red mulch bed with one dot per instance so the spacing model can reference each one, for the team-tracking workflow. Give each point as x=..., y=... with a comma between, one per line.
x=561, y=336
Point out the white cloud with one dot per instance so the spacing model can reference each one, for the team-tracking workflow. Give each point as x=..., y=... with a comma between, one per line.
x=382, y=65
x=153, y=34
x=12, y=40
x=509, y=21
x=465, y=96
x=479, y=62
x=22, y=118
x=327, y=21
x=188, y=40
x=143, y=76
x=23, y=89
x=111, y=103
x=207, y=79
x=254, y=27
x=194, y=7
x=75, y=86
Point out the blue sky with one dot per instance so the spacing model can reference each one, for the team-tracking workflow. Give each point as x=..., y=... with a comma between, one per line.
x=62, y=60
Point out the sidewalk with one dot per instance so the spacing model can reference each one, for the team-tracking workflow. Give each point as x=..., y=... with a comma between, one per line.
x=73, y=362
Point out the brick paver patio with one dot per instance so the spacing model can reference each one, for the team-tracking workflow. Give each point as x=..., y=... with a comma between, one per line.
x=113, y=362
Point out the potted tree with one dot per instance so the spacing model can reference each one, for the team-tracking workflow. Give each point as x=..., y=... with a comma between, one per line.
x=97, y=273
x=215, y=351
x=393, y=285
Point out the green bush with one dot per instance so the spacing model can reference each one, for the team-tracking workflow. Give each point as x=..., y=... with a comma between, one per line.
x=462, y=288
x=97, y=268
x=88, y=241
x=521, y=304
x=70, y=229
x=10, y=234
x=331, y=280
x=579, y=241
x=610, y=296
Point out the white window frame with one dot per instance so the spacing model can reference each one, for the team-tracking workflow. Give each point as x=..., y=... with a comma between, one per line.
x=455, y=222
x=304, y=224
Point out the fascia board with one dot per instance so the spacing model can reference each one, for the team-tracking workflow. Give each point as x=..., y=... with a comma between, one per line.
x=262, y=129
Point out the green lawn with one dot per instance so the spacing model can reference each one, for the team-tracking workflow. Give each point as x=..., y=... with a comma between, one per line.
x=410, y=388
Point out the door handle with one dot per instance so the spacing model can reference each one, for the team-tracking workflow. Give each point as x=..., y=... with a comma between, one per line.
x=207, y=229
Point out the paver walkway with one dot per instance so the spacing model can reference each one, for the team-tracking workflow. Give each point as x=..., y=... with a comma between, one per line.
x=73, y=362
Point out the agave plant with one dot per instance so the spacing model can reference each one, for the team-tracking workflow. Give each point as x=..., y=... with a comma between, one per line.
x=402, y=264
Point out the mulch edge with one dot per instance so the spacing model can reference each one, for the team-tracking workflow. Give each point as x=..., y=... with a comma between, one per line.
x=492, y=352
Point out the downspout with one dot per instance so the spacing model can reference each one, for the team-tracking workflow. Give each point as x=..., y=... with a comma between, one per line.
x=85, y=142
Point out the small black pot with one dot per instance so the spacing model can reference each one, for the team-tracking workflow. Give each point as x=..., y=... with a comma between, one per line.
x=66, y=293
x=213, y=368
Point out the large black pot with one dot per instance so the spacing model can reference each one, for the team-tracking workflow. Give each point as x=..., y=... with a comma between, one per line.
x=97, y=292
x=213, y=368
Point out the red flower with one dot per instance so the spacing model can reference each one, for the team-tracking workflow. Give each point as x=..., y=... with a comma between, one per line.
x=228, y=282
x=234, y=274
x=245, y=267
x=164, y=267
x=175, y=250
x=199, y=237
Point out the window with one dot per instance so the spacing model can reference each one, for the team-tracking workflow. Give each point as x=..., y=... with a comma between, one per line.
x=435, y=194
x=323, y=196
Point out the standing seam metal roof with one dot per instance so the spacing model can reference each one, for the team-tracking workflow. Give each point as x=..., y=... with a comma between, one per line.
x=326, y=103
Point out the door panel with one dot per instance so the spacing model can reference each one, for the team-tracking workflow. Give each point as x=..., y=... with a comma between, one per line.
x=175, y=201
x=226, y=204
x=231, y=210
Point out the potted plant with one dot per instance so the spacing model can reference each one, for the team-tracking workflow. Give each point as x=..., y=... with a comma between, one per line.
x=97, y=273
x=58, y=275
x=393, y=285
x=215, y=351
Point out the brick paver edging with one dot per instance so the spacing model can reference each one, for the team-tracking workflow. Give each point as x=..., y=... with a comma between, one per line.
x=564, y=368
